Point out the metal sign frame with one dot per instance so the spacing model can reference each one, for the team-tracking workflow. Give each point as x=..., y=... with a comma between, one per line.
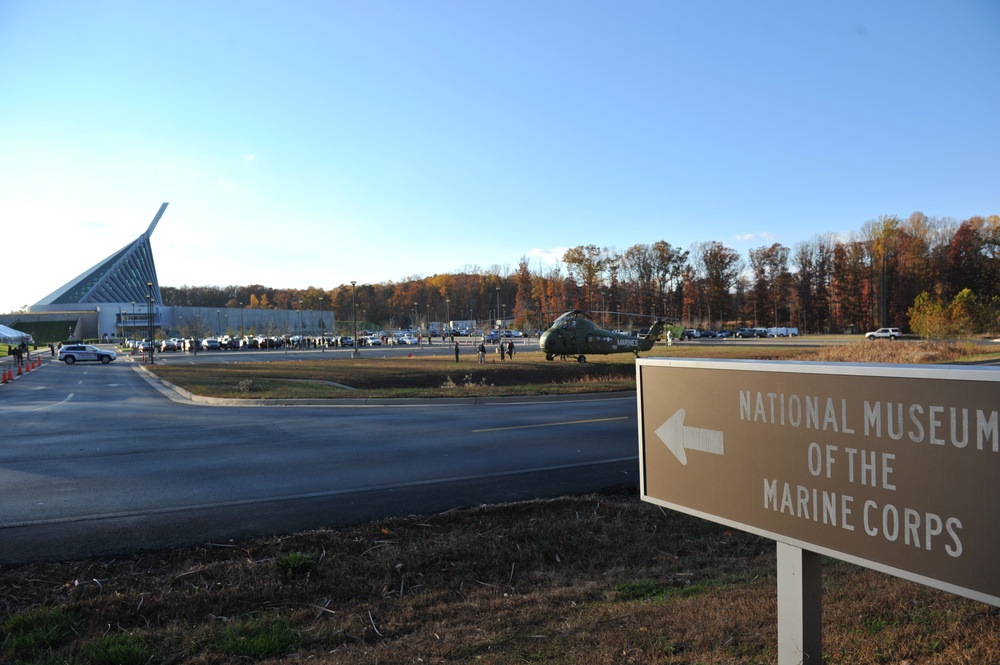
x=890, y=467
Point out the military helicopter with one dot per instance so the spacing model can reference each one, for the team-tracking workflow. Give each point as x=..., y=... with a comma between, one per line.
x=575, y=334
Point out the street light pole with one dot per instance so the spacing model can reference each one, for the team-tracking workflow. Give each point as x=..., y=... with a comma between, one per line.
x=149, y=315
x=322, y=335
x=498, y=314
x=354, y=317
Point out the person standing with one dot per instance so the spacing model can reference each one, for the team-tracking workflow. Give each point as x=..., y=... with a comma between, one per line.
x=456, y=351
x=510, y=349
x=482, y=353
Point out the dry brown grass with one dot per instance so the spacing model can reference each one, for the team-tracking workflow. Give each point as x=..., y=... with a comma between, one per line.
x=882, y=351
x=582, y=580
x=388, y=377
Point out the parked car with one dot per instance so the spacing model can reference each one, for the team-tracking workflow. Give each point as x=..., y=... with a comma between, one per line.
x=168, y=345
x=691, y=333
x=85, y=352
x=210, y=344
x=884, y=333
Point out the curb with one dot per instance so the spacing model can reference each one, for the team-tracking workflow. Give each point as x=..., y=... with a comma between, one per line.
x=177, y=394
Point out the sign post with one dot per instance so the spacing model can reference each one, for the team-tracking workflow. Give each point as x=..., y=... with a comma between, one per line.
x=891, y=467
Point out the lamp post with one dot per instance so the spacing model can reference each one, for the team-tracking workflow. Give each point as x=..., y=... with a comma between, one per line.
x=218, y=323
x=301, y=330
x=498, y=314
x=149, y=313
x=447, y=312
x=322, y=336
x=132, y=322
x=149, y=325
x=241, y=324
x=354, y=318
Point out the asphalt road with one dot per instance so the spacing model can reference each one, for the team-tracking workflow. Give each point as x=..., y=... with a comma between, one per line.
x=96, y=461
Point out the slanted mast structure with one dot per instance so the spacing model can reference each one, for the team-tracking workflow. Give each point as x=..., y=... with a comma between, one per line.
x=123, y=277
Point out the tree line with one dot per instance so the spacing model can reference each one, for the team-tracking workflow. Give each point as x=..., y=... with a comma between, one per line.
x=927, y=275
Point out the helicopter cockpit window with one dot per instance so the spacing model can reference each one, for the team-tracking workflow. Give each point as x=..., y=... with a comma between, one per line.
x=570, y=324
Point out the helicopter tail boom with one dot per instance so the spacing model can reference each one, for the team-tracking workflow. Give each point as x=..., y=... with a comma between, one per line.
x=650, y=338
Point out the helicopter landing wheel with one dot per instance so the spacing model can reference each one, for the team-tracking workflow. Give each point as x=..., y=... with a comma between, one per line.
x=549, y=356
x=581, y=359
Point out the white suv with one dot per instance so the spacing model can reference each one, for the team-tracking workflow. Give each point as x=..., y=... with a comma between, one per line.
x=884, y=333
x=73, y=352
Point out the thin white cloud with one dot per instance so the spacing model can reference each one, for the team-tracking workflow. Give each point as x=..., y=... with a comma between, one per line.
x=750, y=237
x=548, y=256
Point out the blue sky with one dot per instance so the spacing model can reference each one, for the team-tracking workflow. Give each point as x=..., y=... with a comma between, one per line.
x=315, y=143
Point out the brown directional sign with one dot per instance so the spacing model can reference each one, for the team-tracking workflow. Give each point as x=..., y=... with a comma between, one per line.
x=893, y=467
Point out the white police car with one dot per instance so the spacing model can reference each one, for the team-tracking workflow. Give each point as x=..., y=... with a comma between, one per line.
x=83, y=352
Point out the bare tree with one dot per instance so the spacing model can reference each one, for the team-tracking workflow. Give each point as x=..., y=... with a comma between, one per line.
x=718, y=266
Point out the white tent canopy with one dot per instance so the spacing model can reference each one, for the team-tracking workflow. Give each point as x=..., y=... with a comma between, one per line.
x=11, y=336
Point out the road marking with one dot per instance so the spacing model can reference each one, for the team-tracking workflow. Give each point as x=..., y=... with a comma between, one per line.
x=47, y=406
x=679, y=438
x=568, y=422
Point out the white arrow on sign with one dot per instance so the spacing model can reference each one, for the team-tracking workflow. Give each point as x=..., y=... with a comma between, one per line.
x=679, y=438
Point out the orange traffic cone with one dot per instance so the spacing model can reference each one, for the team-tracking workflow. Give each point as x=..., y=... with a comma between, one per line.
x=3, y=379
x=19, y=370
x=27, y=366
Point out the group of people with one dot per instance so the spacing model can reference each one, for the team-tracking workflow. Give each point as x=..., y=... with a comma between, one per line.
x=21, y=352
x=504, y=350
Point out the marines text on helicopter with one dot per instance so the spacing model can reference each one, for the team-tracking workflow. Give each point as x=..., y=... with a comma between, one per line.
x=575, y=334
